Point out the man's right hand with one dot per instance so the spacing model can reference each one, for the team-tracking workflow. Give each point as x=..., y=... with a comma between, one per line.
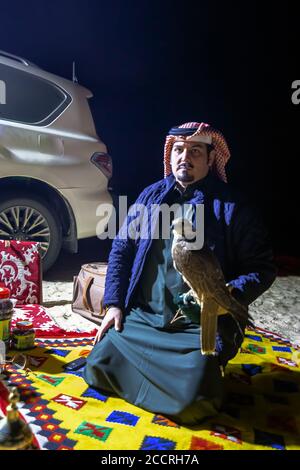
x=113, y=316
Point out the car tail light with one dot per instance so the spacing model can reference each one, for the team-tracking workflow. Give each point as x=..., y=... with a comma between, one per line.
x=103, y=161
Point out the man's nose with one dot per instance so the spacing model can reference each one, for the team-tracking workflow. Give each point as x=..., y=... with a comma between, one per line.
x=185, y=153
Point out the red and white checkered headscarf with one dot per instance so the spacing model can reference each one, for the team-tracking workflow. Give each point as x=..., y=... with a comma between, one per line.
x=206, y=131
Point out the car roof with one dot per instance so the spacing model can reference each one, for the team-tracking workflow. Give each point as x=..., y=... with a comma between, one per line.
x=27, y=66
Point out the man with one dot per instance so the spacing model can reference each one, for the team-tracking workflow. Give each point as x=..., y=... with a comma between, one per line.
x=149, y=359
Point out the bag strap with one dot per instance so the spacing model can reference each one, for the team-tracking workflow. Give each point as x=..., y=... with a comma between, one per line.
x=84, y=293
x=102, y=310
x=75, y=288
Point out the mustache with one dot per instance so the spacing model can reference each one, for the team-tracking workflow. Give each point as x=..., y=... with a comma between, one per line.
x=186, y=166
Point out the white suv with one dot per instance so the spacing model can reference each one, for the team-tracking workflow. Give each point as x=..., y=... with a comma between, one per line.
x=54, y=169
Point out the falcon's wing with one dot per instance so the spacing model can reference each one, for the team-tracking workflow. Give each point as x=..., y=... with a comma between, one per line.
x=203, y=273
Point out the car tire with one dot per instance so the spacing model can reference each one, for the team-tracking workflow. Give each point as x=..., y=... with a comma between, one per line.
x=50, y=221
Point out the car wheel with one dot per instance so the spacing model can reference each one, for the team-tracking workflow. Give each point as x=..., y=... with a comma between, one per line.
x=32, y=220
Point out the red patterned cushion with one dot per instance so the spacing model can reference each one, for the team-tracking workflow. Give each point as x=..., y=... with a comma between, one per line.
x=43, y=324
x=20, y=270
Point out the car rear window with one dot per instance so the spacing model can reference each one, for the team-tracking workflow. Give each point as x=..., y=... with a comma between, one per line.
x=30, y=99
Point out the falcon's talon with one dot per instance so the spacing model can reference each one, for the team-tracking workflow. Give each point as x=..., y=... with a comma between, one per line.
x=175, y=318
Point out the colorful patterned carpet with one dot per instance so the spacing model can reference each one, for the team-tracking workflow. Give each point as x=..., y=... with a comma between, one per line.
x=262, y=409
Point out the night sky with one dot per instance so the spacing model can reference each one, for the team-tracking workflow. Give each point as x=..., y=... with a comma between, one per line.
x=154, y=64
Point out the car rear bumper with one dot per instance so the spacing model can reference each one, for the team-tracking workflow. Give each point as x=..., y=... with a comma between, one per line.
x=84, y=203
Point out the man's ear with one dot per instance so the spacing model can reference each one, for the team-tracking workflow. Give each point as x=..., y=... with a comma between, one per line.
x=211, y=157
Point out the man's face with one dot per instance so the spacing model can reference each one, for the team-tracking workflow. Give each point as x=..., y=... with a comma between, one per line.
x=190, y=161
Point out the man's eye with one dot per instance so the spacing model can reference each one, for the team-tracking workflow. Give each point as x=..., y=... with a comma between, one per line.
x=195, y=150
x=178, y=149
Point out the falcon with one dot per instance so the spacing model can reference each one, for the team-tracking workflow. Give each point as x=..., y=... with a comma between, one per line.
x=202, y=272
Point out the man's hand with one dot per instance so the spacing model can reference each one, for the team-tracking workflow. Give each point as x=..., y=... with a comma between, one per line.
x=113, y=316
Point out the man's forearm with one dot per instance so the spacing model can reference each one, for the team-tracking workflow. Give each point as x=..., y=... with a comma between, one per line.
x=118, y=274
x=248, y=287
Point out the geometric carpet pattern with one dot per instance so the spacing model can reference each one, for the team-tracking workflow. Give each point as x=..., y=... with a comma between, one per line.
x=261, y=410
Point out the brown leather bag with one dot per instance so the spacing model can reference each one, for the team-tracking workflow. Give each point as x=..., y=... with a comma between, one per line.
x=88, y=291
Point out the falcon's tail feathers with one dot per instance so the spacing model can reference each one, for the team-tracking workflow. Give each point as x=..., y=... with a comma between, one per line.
x=209, y=320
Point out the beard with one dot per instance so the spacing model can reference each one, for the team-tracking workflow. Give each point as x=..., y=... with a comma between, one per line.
x=185, y=177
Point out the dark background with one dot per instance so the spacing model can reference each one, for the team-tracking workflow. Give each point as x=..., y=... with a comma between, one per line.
x=153, y=64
